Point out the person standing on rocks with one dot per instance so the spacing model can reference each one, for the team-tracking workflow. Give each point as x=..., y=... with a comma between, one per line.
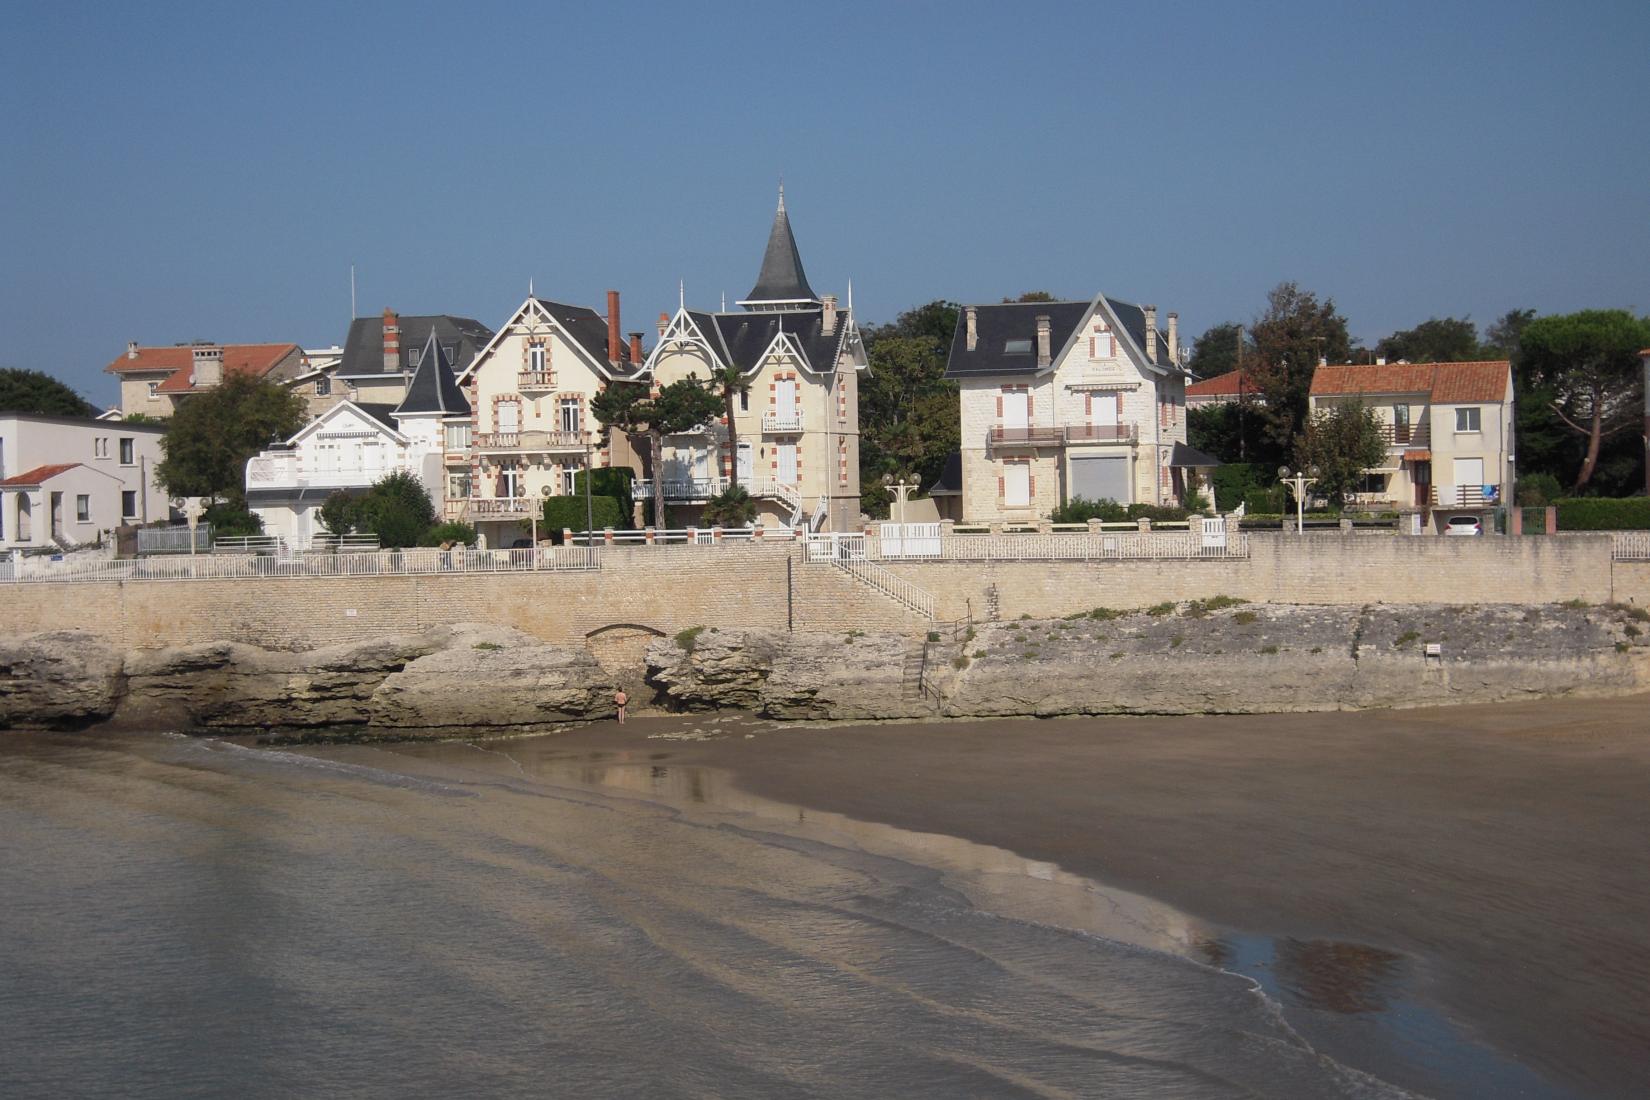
x=619, y=700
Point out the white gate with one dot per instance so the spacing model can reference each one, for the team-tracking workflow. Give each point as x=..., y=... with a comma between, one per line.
x=1214, y=533
x=909, y=540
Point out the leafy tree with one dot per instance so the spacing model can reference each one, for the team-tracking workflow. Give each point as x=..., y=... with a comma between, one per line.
x=1342, y=441
x=339, y=511
x=212, y=434
x=1294, y=332
x=733, y=507
x=1586, y=366
x=909, y=414
x=679, y=407
x=396, y=509
x=142, y=418
x=38, y=393
x=1233, y=432
x=1032, y=296
x=231, y=519
x=1219, y=350
x=1438, y=340
x=1502, y=337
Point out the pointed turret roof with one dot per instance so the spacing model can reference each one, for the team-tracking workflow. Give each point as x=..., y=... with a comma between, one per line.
x=782, y=279
x=433, y=390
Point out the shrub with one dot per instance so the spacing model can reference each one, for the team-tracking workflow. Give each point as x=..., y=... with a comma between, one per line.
x=614, y=481
x=688, y=638
x=568, y=513
x=1080, y=510
x=1538, y=490
x=1603, y=514
x=1235, y=481
x=732, y=507
x=487, y=646
x=1265, y=502
x=960, y=661
x=933, y=635
x=1405, y=638
x=338, y=512
x=232, y=520
x=1244, y=618
x=396, y=509
x=1157, y=513
x=461, y=533
x=1268, y=649
x=1105, y=614
x=1157, y=611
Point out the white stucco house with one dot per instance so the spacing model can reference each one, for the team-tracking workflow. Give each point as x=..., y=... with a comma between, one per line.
x=354, y=444
x=1067, y=400
x=66, y=481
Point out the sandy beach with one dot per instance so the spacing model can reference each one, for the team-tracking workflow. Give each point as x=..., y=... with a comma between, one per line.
x=1492, y=856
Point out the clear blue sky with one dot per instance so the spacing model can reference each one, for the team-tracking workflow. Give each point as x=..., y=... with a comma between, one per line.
x=174, y=172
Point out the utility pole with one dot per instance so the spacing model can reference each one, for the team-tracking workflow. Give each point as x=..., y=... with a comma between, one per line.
x=1644, y=357
x=1243, y=441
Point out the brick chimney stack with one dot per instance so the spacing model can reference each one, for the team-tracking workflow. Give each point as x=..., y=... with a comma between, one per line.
x=1045, y=353
x=1151, y=333
x=971, y=314
x=1174, y=338
x=827, y=323
x=207, y=366
x=392, y=340
x=131, y=349
x=613, y=353
x=635, y=349
x=664, y=323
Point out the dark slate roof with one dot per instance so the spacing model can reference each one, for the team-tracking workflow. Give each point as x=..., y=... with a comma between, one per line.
x=1185, y=456
x=949, y=483
x=782, y=278
x=741, y=338
x=364, y=346
x=996, y=325
x=433, y=388
x=382, y=412
x=586, y=326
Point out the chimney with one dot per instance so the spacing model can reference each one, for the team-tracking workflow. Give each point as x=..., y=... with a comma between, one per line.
x=131, y=349
x=613, y=326
x=635, y=349
x=1380, y=360
x=664, y=323
x=1174, y=338
x=1045, y=355
x=208, y=366
x=1151, y=333
x=970, y=313
x=828, y=323
x=392, y=341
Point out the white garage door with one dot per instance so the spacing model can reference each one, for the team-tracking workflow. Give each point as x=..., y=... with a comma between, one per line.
x=1101, y=478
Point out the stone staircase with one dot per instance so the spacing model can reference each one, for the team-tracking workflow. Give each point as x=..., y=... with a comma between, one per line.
x=916, y=656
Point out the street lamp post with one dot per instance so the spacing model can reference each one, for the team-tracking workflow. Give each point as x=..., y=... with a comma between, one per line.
x=903, y=490
x=1297, y=483
x=589, y=515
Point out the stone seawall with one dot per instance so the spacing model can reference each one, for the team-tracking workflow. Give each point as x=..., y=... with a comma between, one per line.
x=771, y=587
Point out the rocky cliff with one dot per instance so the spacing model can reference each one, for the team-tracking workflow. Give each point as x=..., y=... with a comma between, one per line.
x=1197, y=658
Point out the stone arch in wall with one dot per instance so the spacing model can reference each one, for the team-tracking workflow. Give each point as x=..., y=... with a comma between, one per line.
x=621, y=651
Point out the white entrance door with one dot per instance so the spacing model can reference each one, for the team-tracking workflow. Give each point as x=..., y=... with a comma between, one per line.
x=746, y=462
x=1016, y=410
x=787, y=463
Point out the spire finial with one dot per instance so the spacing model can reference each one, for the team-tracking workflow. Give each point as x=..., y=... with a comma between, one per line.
x=529, y=286
x=850, y=295
x=781, y=192
x=681, y=293
x=724, y=301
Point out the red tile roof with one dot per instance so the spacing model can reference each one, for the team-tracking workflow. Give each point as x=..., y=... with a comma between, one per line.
x=1221, y=385
x=253, y=359
x=31, y=478
x=1453, y=383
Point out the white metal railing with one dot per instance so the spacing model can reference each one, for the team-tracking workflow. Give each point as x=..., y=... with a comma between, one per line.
x=1630, y=545
x=1461, y=496
x=909, y=540
x=346, y=564
x=782, y=422
x=248, y=544
x=698, y=536
x=692, y=488
x=891, y=584
x=173, y=540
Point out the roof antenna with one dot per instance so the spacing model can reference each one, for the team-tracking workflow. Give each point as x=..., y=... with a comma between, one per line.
x=352, y=292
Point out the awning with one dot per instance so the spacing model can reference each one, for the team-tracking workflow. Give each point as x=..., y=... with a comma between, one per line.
x=1186, y=457
x=1101, y=387
x=1419, y=454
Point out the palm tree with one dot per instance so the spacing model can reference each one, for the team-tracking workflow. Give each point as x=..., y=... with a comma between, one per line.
x=730, y=382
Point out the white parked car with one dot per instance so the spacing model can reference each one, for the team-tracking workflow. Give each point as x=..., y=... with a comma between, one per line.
x=1463, y=525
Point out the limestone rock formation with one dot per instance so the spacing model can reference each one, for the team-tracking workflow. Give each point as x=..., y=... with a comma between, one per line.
x=64, y=678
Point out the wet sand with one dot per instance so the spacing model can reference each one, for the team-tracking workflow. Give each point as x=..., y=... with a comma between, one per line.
x=1500, y=854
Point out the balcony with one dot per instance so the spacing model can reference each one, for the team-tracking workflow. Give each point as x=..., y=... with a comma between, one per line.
x=1026, y=437
x=1466, y=496
x=282, y=470
x=679, y=489
x=539, y=380
x=782, y=422
x=529, y=441
x=487, y=507
x=1406, y=435
x=1102, y=433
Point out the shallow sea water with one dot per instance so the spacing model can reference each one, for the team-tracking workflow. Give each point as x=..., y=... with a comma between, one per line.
x=188, y=917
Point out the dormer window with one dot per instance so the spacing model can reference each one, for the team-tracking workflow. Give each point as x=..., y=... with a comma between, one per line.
x=1017, y=347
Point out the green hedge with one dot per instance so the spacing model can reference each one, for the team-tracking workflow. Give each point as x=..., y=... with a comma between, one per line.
x=568, y=513
x=609, y=481
x=1603, y=514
